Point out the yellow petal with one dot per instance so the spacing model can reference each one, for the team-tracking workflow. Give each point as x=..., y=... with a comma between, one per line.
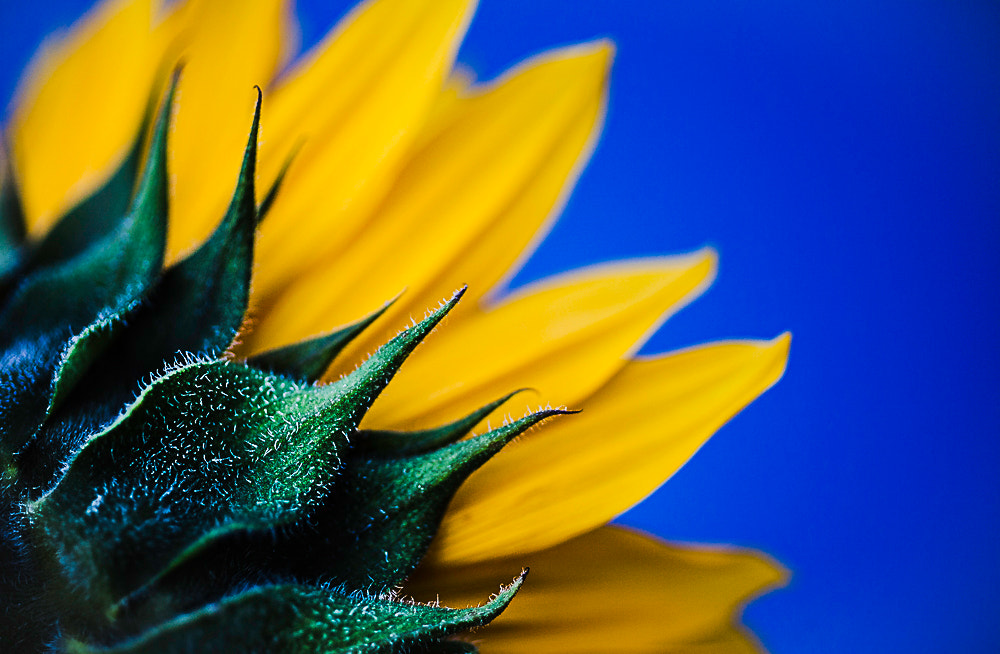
x=611, y=590
x=355, y=107
x=731, y=640
x=564, y=337
x=81, y=103
x=465, y=206
x=581, y=471
x=231, y=46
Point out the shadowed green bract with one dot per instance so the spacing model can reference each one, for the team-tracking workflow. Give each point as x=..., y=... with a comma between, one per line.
x=284, y=618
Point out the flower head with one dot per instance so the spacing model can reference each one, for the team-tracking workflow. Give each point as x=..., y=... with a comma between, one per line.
x=234, y=502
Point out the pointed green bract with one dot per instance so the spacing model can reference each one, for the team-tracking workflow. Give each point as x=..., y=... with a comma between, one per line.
x=402, y=443
x=198, y=304
x=304, y=620
x=173, y=471
x=390, y=509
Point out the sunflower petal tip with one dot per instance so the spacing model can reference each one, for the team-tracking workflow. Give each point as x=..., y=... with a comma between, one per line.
x=600, y=52
x=606, y=48
x=782, y=345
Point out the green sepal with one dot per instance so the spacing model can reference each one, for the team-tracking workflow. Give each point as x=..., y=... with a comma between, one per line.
x=13, y=229
x=97, y=215
x=297, y=619
x=362, y=386
x=407, y=443
x=198, y=304
x=308, y=360
x=172, y=471
x=383, y=513
x=110, y=275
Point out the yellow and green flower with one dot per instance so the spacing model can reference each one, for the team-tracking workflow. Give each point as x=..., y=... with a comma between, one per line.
x=210, y=441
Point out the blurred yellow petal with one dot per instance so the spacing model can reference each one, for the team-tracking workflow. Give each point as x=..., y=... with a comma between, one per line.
x=230, y=46
x=465, y=206
x=582, y=471
x=731, y=640
x=355, y=107
x=81, y=102
x=563, y=337
x=612, y=590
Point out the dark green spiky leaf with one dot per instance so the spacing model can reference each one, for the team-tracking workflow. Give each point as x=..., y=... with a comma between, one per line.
x=384, y=513
x=110, y=275
x=97, y=215
x=308, y=360
x=407, y=443
x=173, y=469
x=199, y=303
x=304, y=620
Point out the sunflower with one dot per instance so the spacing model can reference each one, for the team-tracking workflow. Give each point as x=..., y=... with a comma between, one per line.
x=388, y=174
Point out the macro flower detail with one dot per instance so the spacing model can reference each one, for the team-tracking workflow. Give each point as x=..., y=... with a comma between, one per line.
x=215, y=436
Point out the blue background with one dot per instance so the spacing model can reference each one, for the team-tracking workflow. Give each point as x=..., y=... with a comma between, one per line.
x=844, y=158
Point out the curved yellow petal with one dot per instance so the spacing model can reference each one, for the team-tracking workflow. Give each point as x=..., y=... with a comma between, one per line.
x=81, y=102
x=355, y=107
x=563, y=337
x=466, y=204
x=612, y=590
x=581, y=471
x=230, y=46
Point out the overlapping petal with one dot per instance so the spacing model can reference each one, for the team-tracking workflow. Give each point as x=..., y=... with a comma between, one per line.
x=490, y=170
x=354, y=106
x=636, y=596
x=564, y=337
x=228, y=47
x=631, y=435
